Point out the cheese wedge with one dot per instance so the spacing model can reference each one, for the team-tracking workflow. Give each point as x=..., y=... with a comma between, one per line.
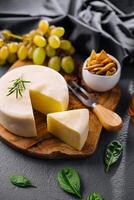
x=47, y=92
x=70, y=126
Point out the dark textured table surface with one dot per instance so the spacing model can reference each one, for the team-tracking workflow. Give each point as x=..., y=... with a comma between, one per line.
x=117, y=185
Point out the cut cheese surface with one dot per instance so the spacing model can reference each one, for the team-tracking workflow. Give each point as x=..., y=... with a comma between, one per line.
x=70, y=126
x=47, y=92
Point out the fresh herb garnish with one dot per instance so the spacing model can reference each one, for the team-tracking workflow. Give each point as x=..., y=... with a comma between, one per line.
x=21, y=181
x=112, y=154
x=69, y=181
x=17, y=87
x=94, y=196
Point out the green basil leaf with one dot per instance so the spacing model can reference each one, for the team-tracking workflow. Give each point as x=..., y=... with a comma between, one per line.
x=21, y=181
x=94, y=196
x=112, y=154
x=69, y=181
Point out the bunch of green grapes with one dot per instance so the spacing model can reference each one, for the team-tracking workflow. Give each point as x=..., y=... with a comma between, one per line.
x=42, y=45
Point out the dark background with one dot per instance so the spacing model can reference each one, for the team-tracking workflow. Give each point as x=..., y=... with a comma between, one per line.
x=118, y=184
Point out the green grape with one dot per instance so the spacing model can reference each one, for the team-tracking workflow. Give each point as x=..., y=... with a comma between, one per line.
x=39, y=32
x=50, y=51
x=30, y=52
x=39, y=40
x=32, y=33
x=54, y=63
x=22, y=52
x=12, y=58
x=13, y=47
x=1, y=42
x=27, y=39
x=26, y=42
x=39, y=55
x=20, y=44
x=59, y=31
x=4, y=52
x=71, y=51
x=43, y=26
x=65, y=44
x=50, y=29
x=67, y=64
x=29, y=36
x=6, y=34
x=54, y=41
x=28, y=46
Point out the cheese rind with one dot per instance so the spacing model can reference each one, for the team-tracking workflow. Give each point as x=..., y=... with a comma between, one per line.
x=16, y=115
x=70, y=126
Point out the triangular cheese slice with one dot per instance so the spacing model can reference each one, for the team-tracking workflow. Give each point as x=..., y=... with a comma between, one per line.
x=70, y=126
x=47, y=92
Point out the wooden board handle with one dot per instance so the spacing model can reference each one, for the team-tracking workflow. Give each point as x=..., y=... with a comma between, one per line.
x=109, y=119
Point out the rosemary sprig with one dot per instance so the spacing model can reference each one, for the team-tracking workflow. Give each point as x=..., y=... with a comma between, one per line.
x=17, y=87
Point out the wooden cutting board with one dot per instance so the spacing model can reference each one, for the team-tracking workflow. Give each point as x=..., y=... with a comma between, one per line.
x=47, y=146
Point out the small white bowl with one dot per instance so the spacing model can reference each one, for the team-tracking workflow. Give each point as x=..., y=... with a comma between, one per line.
x=101, y=83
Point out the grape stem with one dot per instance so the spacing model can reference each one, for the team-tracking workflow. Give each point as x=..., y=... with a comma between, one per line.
x=9, y=34
x=16, y=36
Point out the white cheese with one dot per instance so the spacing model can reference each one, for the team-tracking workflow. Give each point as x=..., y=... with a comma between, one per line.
x=70, y=126
x=47, y=92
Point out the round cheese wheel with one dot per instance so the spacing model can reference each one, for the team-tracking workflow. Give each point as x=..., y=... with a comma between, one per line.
x=46, y=92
